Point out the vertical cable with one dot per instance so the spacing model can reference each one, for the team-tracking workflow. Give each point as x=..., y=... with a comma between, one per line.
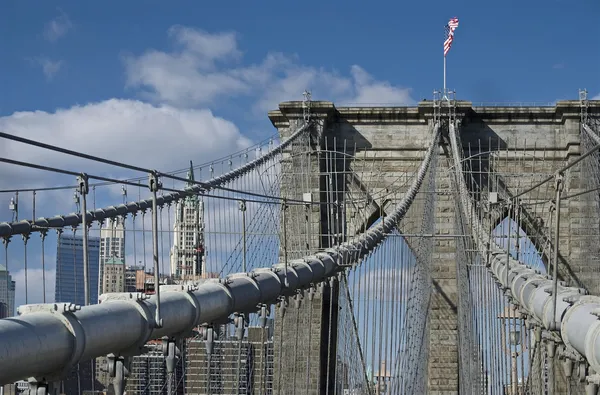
x=25, y=239
x=43, y=236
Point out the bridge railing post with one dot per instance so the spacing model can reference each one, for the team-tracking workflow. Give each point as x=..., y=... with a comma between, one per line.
x=83, y=189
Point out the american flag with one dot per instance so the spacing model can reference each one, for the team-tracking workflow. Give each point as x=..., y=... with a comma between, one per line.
x=450, y=28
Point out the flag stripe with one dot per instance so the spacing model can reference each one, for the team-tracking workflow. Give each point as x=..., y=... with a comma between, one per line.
x=449, y=34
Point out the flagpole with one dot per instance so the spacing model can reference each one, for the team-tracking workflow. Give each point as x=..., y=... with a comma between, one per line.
x=444, y=91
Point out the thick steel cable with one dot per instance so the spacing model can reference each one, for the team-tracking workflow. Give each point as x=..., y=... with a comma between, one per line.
x=29, y=226
x=576, y=319
x=45, y=341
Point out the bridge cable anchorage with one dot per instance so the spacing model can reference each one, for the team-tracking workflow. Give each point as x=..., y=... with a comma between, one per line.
x=575, y=316
x=212, y=302
x=16, y=227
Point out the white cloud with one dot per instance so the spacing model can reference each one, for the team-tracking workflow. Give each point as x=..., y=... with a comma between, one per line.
x=201, y=69
x=50, y=67
x=156, y=137
x=189, y=76
x=57, y=27
x=34, y=286
x=186, y=74
x=597, y=97
x=207, y=47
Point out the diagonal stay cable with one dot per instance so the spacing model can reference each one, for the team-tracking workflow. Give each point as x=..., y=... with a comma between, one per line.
x=267, y=199
x=568, y=315
x=201, y=185
x=173, y=172
x=212, y=302
x=28, y=226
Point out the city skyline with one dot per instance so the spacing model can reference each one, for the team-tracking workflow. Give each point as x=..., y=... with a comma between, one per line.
x=69, y=269
x=62, y=51
x=7, y=293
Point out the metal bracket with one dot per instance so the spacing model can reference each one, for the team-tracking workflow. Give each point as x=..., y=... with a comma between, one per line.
x=239, y=321
x=154, y=182
x=118, y=370
x=559, y=181
x=283, y=303
x=137, y=296
x=171, y=353
x=48, y=308
x=208, y=335
x=569, y=353
x=298, y=299
x=83, y=186
x=264, y=315
x=552, y=337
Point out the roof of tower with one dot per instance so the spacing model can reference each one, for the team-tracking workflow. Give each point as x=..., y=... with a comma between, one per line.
x=114, y=261
x=190, y=177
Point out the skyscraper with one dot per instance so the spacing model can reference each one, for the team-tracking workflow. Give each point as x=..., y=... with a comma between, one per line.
x=113, y=278
x=69, y=269
x=112, y=246
x=7, y=293
x=187, y=253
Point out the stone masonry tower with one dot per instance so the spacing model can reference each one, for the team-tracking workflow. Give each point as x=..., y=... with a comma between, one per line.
x=548, y=136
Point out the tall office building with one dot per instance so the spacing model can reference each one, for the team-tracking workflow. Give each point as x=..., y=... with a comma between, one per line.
x=112, y=247
x=187, y=253
x=7, y=293
x=131, y=274
x=113, y=278
x=69, y=269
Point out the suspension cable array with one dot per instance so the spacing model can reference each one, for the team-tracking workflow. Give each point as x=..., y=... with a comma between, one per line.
x=46, y=340
x=99, y=215
x=566, y=311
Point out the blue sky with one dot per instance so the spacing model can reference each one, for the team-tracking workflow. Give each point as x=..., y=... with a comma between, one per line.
x=159, y=83
x=504, y=51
